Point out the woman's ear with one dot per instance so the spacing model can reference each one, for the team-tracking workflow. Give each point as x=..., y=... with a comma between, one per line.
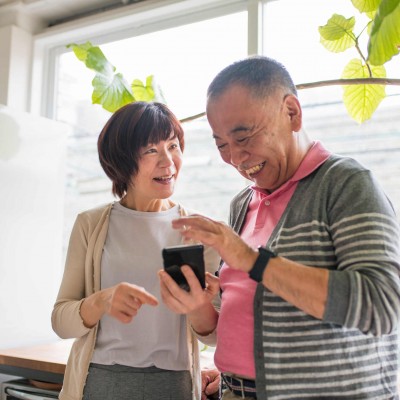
x=294, y=112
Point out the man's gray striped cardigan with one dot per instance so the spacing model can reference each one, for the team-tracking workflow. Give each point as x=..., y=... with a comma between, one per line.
x=338, y=219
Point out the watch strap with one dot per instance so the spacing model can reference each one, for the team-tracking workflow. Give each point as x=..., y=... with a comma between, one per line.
x=257, y=271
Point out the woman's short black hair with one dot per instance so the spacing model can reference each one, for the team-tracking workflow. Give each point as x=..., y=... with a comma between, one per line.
x=130, y=128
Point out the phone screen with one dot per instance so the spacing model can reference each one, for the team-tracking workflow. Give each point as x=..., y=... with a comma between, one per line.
x=176, y=256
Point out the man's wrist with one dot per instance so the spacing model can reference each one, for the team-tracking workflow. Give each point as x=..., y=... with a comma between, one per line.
x=257, y=271
x=251, y=258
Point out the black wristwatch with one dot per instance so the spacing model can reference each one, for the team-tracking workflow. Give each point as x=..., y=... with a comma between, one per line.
x=257, y=271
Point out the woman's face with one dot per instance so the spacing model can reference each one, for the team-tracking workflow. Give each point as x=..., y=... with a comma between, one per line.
x=159, y=166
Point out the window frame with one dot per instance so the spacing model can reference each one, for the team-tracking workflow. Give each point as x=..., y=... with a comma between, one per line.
x=135, y=20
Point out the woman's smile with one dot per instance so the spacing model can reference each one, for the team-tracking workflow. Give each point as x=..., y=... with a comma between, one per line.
x=165, y=179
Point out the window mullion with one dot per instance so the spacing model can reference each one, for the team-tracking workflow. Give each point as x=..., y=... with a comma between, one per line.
x=255, y=27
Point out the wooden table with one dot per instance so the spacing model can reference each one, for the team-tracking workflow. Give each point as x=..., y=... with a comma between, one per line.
x=44, y=362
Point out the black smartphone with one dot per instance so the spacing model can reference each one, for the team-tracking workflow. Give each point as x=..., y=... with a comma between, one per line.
x=176, y=256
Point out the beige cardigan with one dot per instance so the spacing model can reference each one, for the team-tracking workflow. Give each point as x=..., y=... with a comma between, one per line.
x=81, y=279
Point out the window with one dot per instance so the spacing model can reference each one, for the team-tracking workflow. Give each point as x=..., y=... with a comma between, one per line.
x=375, y=143
x=184, y=57
x=180, y=59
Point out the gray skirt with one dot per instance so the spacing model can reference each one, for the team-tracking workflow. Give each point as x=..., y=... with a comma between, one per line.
x=118, y=382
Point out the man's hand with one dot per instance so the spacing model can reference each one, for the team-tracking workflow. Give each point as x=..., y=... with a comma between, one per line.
x=230, y=246
x=210, y=380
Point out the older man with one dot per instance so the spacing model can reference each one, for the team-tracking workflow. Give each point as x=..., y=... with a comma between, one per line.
x=312, y=313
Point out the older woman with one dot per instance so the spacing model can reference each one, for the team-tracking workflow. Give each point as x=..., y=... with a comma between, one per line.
x=128, y=344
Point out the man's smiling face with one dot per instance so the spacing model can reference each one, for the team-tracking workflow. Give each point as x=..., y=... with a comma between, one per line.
x=255, y=135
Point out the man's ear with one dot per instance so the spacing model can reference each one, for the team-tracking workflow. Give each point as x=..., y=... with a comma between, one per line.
x=294, y=112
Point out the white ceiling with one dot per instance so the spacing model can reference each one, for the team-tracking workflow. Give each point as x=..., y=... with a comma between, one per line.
x=52, y=12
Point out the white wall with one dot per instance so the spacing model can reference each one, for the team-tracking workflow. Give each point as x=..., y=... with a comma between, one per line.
x=15, y=67
x=20, y=69
x=32, y=159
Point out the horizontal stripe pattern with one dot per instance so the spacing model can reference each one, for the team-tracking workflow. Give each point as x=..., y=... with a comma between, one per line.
x=307, y=358
x=352, y=231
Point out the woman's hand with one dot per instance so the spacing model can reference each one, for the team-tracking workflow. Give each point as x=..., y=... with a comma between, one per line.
x=121, y=302
x=196, y=304
x=230, y=246
x=124, y=300
x=181, y=301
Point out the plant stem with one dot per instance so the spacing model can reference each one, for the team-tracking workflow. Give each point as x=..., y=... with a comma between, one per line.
x=358, y=81
x=333, y=82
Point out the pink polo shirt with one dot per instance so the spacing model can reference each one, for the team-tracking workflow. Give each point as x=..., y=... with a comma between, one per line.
x=234, y=352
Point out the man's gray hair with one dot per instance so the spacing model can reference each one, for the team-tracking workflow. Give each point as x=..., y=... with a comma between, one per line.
x=262, y=75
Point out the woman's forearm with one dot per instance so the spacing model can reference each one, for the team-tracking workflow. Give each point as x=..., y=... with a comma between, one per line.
x=204, y=320
x=93, y=308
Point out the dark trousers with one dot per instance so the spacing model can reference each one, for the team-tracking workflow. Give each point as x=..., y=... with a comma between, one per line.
x=118, y=382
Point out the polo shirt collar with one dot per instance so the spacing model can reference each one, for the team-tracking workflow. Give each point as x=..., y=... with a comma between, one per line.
x=316, y=156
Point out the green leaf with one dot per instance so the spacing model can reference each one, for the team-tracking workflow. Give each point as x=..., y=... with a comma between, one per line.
x=150, y=92
x=93, y=58
x=337, y=35
x=112, y=92
x=371, y=14
x=142, y=92
x=110, y=89
x=361, y=101
x=204, y=348
x=96, y=61
x=369, y=27
x=149, y=81
x=384, y=40
x=80, y=50
x=365, y=6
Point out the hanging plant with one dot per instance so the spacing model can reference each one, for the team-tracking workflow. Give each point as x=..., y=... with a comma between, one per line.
x=110, y=89
x=364, y=79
